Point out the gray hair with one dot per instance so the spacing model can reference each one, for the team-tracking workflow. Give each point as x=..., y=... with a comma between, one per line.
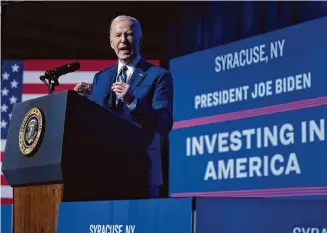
x=130, y=18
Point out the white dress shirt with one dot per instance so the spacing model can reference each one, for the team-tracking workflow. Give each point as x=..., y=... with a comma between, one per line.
x=130, y=67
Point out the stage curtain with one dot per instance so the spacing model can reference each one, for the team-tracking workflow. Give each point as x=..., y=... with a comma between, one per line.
x=203, y=25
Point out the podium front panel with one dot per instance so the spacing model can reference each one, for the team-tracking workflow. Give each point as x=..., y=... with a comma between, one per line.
x=22, y=169
x=127, y=216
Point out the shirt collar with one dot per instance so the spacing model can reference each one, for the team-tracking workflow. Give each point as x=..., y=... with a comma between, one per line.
x=131, y=65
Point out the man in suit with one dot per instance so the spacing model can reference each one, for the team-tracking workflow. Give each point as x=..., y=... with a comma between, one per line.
x=136, y=89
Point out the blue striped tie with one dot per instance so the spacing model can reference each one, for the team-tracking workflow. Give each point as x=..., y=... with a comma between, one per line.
x=122, y=77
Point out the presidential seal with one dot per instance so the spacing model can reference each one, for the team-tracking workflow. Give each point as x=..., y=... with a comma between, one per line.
x=31, y=131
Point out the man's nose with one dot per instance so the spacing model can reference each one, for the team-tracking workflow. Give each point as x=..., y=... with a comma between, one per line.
x=123, y=38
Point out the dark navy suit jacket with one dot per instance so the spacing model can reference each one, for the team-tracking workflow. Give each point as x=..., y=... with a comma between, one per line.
x=153, y=88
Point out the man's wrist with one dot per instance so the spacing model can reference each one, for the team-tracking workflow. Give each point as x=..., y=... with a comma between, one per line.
x=130, y=100
x=132, y=105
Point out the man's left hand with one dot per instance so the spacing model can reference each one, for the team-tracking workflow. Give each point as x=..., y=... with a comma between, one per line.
x=123, y=91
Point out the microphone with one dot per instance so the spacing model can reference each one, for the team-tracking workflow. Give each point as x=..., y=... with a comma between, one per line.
x=64, y=69
x=53, y=75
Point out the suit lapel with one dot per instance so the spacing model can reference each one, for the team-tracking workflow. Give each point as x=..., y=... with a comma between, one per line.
x=138, y=75
x=111, y=97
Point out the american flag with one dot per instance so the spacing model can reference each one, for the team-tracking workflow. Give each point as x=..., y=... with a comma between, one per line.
x=20, y=82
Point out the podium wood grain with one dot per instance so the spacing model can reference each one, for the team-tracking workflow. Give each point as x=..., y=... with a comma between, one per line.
x=36, y=208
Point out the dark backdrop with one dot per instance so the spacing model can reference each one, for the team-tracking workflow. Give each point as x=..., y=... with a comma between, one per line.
x=200, y=26
x=80, y=29
x=76, y=29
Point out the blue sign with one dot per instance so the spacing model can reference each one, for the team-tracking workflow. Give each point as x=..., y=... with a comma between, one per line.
x=134, y=216
x=278, y=67
x=250, y=117
x=260, y=215
x=285, y=152
x=6, y=218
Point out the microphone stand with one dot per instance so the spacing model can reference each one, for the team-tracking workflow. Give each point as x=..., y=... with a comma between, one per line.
x=52, y=80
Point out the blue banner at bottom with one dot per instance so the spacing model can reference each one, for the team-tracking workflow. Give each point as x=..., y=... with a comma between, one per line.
x=227, y=215
x=134, y=216
x=6, y=218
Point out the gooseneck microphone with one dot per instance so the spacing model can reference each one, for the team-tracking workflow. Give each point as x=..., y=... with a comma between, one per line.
x=64, y=69
x=53, y=75
x=61, y=70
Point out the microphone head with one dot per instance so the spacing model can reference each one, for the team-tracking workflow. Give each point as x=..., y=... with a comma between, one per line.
x=68, y=68
x=74, y=66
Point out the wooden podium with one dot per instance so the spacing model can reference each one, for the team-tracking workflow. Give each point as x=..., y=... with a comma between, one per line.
x=64, y=147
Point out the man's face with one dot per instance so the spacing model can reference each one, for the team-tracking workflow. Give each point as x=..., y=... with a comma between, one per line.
x=125, y=39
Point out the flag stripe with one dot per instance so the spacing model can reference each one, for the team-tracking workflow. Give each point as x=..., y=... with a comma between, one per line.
x=3, y=146
x=42, y=89
x=5, y=201
x=86, y=65
x=33, y=77
x=26, y=97
x=3, y=180
x=6, y=191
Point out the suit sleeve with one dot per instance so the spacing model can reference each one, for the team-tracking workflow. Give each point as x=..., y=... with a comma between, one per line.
x=159, y=115
x=93, y=87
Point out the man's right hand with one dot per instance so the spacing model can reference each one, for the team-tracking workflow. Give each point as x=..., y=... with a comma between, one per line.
x=82, y=89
